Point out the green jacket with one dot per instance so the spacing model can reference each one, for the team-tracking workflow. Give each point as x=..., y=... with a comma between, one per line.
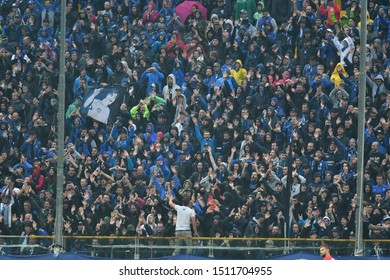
x=134, y=110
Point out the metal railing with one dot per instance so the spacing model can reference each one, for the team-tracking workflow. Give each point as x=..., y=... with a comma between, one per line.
x=126, y=247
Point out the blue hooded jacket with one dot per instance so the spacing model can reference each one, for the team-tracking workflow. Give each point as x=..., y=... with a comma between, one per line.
x=158, y=42
x=153, y=135
x=279, y=110
x=162, y=168
x=153, y=77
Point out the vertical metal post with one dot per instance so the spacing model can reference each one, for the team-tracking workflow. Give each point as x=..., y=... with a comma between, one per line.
x=361, y=127
x=136, y=249
x=58, y=239
x=211, y=249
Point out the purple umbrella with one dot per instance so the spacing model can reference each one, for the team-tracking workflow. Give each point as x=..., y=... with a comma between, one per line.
x=185, y=8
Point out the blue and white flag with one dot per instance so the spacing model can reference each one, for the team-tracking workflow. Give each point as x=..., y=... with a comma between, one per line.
x=102, y=104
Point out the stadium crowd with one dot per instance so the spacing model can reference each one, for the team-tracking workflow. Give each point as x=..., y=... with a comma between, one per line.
x=216, y=104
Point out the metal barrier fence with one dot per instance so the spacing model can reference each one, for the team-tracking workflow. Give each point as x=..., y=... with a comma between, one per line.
x=156, y=247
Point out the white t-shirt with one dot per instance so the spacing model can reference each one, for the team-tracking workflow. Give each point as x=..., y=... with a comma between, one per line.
x=184, y=215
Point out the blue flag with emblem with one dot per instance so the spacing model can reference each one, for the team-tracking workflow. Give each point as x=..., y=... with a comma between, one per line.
x=102, y=104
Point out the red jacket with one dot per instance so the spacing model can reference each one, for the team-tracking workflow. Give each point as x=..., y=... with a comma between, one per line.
x=328, y=11
x=150, y=15
x=172, y=44
x=37, y=178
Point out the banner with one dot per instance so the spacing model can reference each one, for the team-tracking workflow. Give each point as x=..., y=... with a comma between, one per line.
x=102, y=104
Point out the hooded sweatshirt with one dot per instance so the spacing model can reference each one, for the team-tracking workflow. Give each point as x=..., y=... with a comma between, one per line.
x=169, y=92
x=149, y=228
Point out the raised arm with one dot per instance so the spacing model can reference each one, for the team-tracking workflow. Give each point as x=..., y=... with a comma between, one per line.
x=230, y=159
x=212, y=160
x=170, y=199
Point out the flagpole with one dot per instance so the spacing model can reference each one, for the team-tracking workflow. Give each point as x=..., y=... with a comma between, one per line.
x=58, y=234
x=361, y=126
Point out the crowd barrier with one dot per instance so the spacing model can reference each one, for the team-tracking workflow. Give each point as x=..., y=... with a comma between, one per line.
x=127, y=247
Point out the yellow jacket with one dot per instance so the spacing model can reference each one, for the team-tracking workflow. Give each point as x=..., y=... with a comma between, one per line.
x=335, y=78
x=240, y=73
